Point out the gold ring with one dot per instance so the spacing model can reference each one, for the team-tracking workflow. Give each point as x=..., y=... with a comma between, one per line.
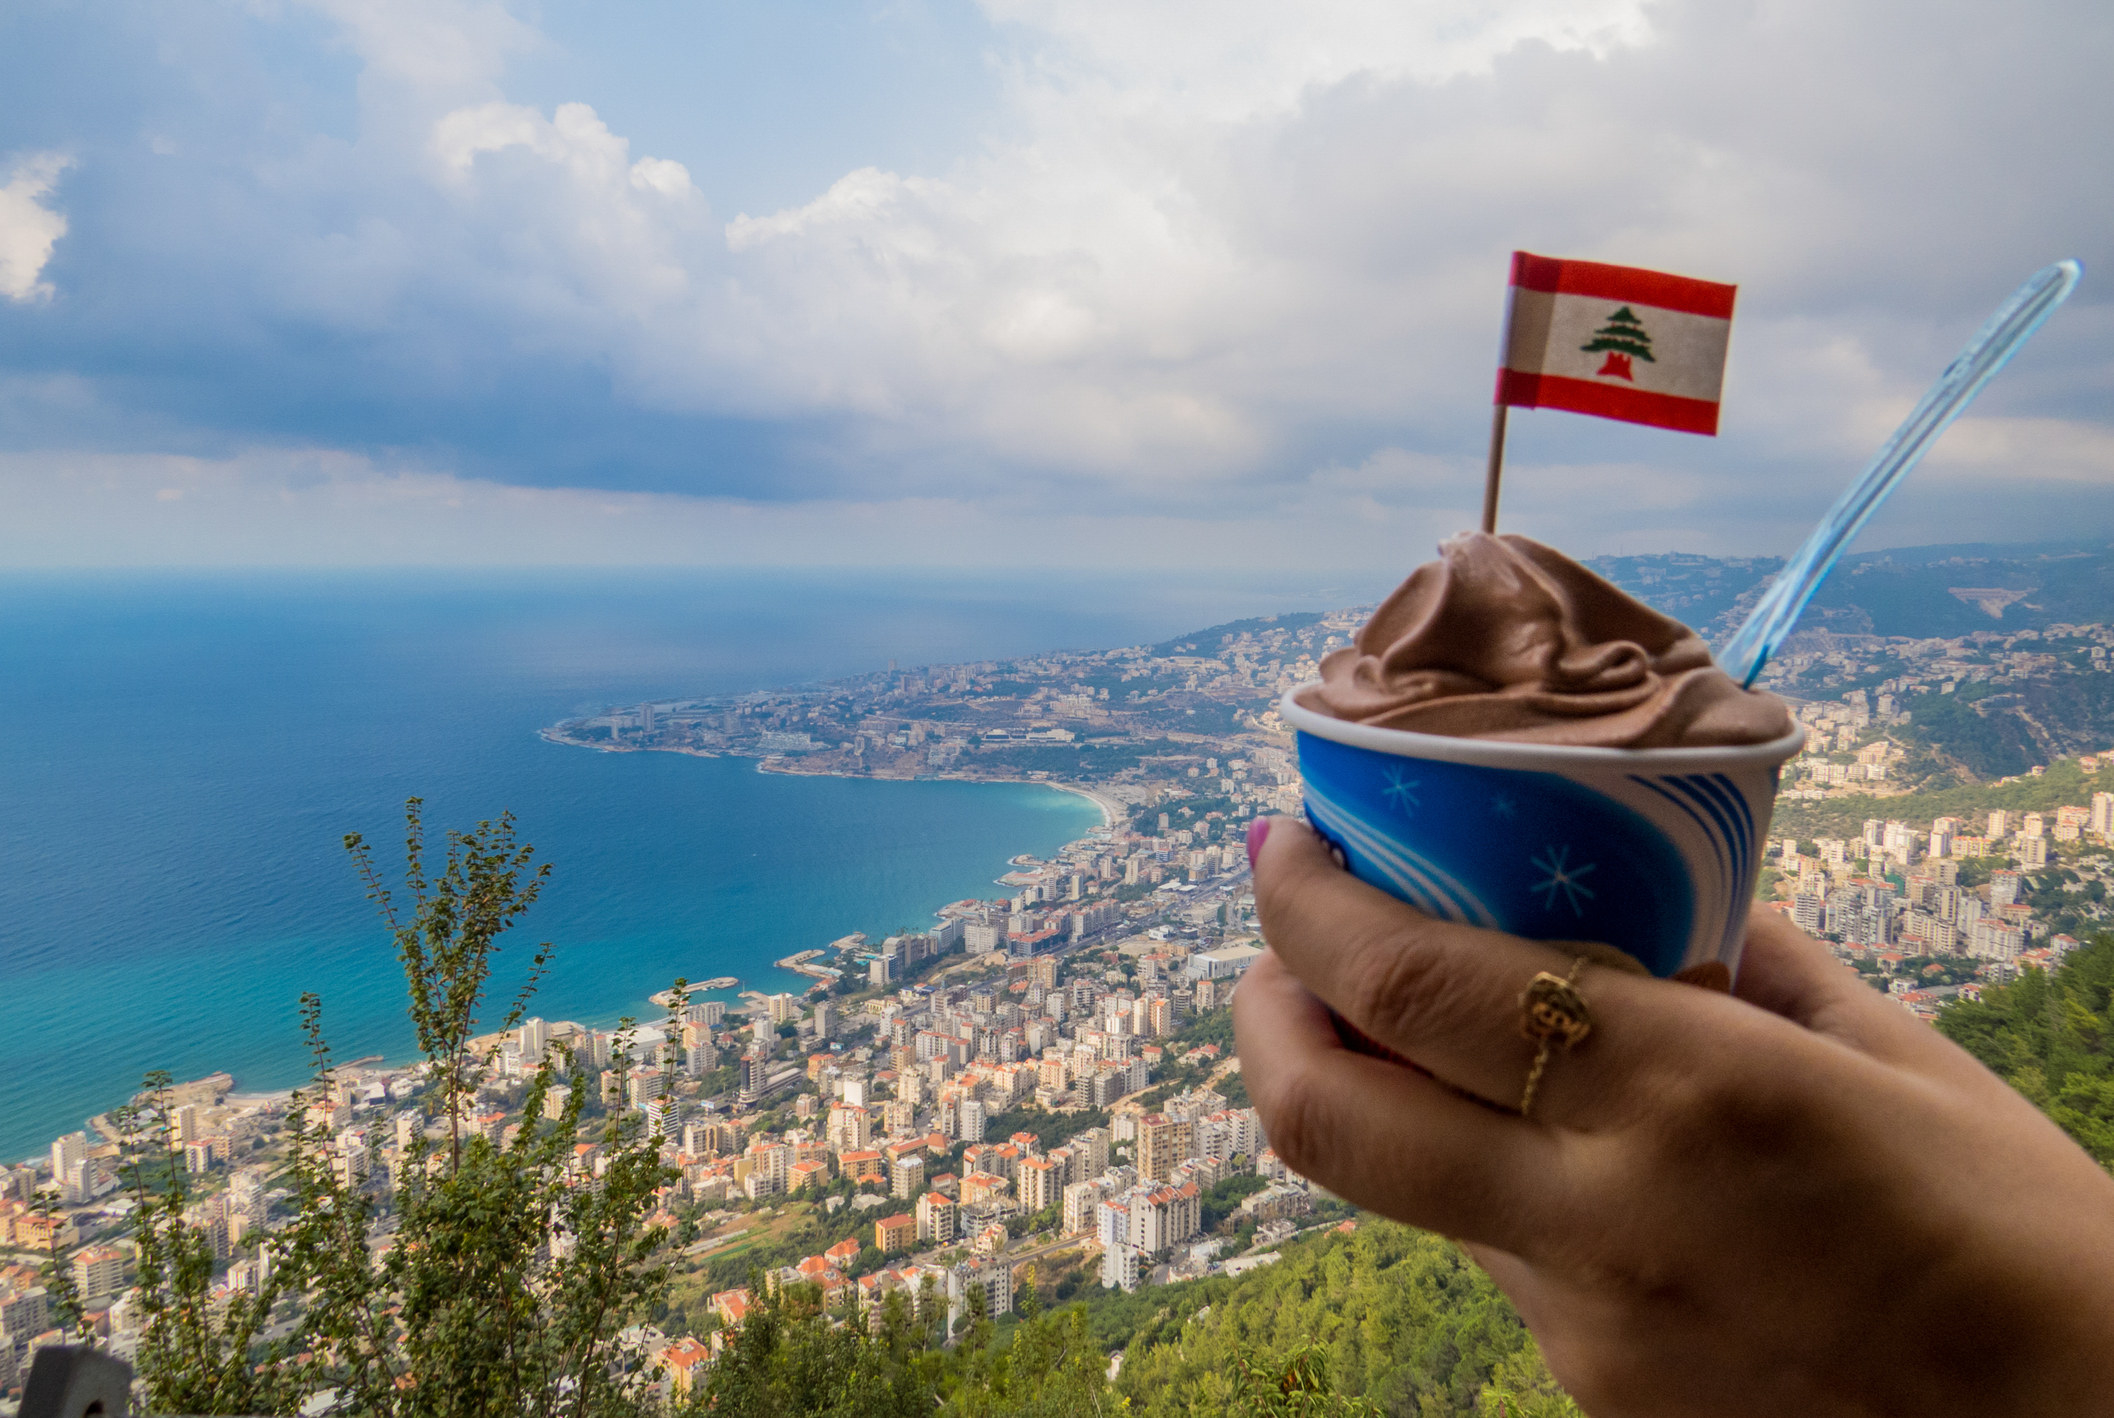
x=1551, y=1012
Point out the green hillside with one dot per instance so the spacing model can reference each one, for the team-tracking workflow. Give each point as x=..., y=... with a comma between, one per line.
x=1403, y=1318
x=1374, y=1319
x=2064, y=783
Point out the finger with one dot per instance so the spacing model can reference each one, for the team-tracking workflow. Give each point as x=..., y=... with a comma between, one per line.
x=1383, y=1136
x=1787, y=972
x=1444, y=995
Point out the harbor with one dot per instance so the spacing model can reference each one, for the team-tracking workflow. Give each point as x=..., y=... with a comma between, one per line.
x=666, y=998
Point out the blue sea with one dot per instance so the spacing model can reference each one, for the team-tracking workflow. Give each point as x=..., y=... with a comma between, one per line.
x=181, y=756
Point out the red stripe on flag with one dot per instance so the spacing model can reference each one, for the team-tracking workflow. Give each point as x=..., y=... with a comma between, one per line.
x=1626, y=283
x=1583, y=396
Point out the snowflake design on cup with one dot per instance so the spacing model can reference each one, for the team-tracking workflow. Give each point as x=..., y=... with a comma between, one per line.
x=1504, y=807
x=1562, y=878
x=1401, y=790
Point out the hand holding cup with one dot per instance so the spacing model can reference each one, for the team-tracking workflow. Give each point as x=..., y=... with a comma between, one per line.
x=1795, y=1198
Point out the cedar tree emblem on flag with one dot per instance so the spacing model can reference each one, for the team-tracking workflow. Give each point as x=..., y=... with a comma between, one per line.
x=1616, y=341
x=1622, y=337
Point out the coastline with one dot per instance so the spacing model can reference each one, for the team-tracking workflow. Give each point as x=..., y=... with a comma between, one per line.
x=649, y=1010
x=1111, y=808
x=1124, y=750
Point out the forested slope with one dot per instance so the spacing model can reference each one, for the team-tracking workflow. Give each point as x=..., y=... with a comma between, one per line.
x=1403, y=1318
x=2049, y=1036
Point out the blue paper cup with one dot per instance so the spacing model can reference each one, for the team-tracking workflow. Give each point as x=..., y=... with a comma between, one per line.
x=1652, y=851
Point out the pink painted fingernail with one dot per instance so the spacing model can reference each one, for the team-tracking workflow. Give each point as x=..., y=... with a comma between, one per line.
x=1258, y=831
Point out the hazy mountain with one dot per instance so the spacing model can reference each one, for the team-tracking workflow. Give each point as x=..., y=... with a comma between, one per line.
x=1914, y=591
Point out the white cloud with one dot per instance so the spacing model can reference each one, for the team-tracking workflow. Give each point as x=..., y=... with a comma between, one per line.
x=28, y=228
x=431, y=44
x=1215, y=235
x=1214, y=274
x=618, y=228
x=1235, y=58
x=2058, y=450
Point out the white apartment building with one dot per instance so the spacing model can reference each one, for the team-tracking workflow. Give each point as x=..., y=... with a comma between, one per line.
x=906, y=1177
x=1082, y=1206
x=849, y=1128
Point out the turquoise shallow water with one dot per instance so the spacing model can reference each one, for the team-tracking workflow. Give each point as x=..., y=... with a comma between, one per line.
x=180, y=757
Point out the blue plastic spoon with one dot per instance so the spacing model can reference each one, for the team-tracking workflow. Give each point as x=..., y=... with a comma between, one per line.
x=1990, y=350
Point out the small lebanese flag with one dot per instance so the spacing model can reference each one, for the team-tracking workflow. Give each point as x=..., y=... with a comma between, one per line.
x=1616, y=341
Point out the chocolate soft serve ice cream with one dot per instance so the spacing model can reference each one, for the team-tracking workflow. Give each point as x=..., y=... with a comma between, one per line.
x=1491, y=750
x=1504, y=638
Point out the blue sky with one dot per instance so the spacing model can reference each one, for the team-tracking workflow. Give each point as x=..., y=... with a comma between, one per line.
x=1009, y=282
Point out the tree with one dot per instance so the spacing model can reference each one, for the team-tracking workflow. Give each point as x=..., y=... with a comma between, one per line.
x=1296, y=1386
x=1522, y=1387
x=1051, y=1369
x=787, y=1360
x=62, y=1292
x=508, y=1275
x=1407, y=1320
x=1624, y=338
x=447, y=946
x=2051, y=1036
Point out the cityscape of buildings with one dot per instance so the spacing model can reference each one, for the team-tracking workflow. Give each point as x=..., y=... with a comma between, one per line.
x=1937, y=904
x=1197, y=712
x=873, y=1099
x=1938, y=910
x=879, y=1109
x=1043, y=1079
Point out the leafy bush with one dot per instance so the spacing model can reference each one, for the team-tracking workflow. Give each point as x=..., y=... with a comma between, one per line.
x=506, y=1277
